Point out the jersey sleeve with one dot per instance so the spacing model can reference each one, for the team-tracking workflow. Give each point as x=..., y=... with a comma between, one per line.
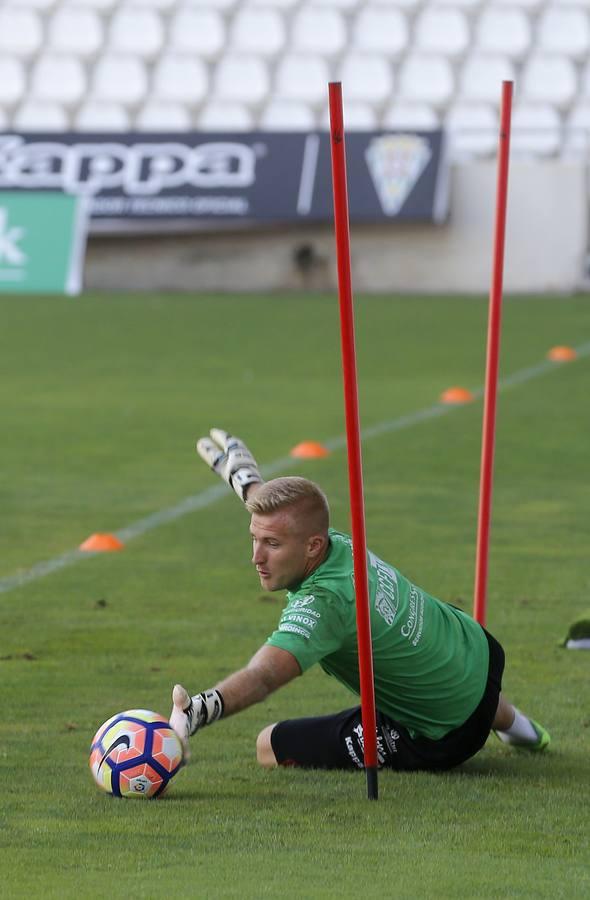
x=311, y=627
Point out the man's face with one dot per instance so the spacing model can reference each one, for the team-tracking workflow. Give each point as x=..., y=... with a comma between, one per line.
x=282, y=554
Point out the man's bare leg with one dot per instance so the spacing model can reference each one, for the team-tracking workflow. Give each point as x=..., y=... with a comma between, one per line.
x=513, y=727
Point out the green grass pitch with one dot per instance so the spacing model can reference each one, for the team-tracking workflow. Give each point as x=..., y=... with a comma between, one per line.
x=101, y=400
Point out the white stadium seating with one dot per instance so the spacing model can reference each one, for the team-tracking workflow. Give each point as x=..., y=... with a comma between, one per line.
x=225, y=117
x=302, y=78
x=136, y=31
x=198, y=31
x=444, y=31
x=241, y=79
x=287, y=116
x=75, y=31
x=564, y=31
x=58, y=79
x=536, y=130
x=426, y=79
x=414, y=116
x=506, y=32
x=260, y=31
x=472, y=129
x=366, y=78
x=549, y=79
x=21, y=32
x=179, y=79
x=163, y=117
x=100, y=116
x=318, y=30
x=119, y=79
x=40, y=116
x=481, y=77
x=13, y=82
x=380, y=31
x=219, y=65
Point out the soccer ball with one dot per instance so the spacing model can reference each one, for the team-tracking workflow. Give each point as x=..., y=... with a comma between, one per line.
x=135, y=754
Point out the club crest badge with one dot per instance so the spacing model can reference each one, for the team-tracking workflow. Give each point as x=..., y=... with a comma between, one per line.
x=396, y=162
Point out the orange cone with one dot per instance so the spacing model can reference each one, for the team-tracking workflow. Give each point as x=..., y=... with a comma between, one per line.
x=562, y=354
x=101, y=543
x=456, y=395
x=309, y=450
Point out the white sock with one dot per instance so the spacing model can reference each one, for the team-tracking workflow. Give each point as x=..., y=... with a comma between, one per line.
x=520, y=732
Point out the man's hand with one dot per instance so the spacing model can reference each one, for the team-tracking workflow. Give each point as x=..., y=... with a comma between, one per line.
x=229, y=457
x=191, y=713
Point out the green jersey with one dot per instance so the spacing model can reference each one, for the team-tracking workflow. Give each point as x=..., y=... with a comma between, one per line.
x=430, y=660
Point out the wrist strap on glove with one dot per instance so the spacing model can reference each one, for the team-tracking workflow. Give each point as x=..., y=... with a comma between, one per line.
x=204, y=709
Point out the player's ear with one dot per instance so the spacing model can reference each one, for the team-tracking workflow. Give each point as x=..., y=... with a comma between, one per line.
x=315, y=545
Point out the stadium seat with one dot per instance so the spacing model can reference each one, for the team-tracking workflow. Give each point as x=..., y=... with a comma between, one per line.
x=274, y=4
x=443, y=31
x=505, y=32
x=286, y=116
x=564, y=31
x=225, y=117
x=380, y=31
x=469, y=7
x=58, y=79
x=40, y=116
x=162, y=6
x=163, y=117
x=179, y=79
x=119, y=79
x=549, y=79
x=75, y=31
x=577, y=131
x=407, y=5
x=225, y=6
x=20, y=32
x=527, y=6
x=101, y=6
x=426, y=79
x=197, y=31
x=411, y=116
x=259, y=31
x=303, y=78
x=366, y=79
x=318, y=30
x=357, y=117
x=343, y=5
x=13, y=81
x=480, y=79
x=42, y=6
x=96, y=116
x=472, y=130
x=137, y=32
x=536, y=130
x=241, y=79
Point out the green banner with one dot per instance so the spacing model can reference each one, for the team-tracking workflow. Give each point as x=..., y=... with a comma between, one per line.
x=42, y=242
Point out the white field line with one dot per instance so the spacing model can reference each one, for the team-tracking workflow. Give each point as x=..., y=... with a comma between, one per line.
x=211, y=495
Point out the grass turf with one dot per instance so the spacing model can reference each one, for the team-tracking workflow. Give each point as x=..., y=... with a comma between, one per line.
x=102, y=398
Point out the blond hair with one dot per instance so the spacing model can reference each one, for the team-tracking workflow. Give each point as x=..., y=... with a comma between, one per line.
x=305, y=497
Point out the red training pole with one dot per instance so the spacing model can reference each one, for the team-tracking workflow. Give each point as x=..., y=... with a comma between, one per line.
x=355, y=471
x=493, y=352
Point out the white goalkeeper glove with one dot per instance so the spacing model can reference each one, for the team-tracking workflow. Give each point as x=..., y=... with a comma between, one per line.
x=191, y=713
x=229, y=457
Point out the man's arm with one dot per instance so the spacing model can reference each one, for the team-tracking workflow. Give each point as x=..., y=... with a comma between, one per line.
x=269, y=669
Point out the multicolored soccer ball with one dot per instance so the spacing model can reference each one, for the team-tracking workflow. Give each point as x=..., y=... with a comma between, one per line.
x=135, y=754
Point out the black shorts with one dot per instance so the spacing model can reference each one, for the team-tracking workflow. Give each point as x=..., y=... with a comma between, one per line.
x=336, y=742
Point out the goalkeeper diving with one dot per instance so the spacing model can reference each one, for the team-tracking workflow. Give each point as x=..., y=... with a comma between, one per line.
x=437, y=672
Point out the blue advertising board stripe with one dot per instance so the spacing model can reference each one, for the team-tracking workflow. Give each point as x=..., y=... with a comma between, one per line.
x=250, y=177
